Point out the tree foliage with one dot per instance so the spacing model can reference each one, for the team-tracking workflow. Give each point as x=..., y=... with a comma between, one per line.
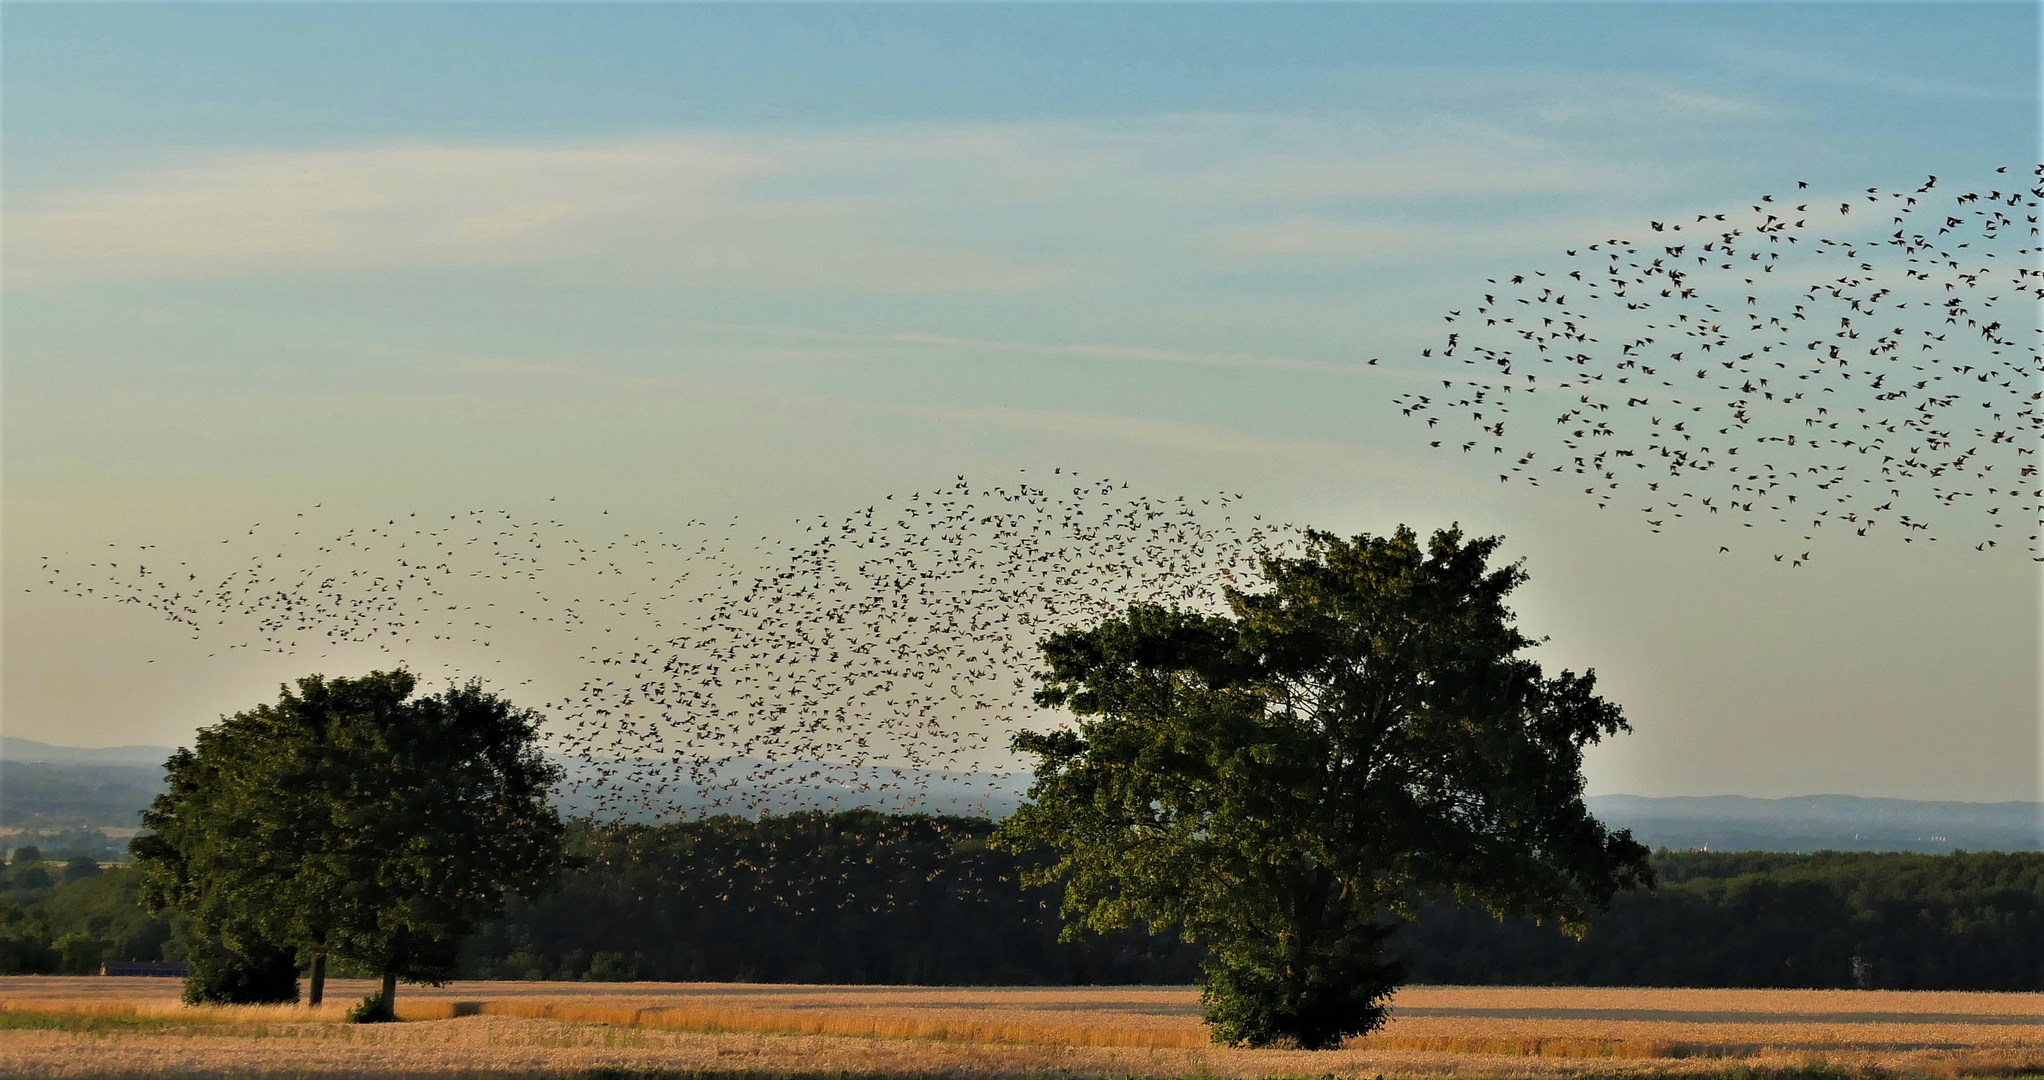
x=354, y=820
x=1283, y=781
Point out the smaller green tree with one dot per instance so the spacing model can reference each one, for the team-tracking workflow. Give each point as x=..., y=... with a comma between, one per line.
x=1284, y=781
x=353, y=820
x=212, y=860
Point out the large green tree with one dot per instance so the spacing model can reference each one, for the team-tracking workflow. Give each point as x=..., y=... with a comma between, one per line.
x=1283, y=782
x=351, y=819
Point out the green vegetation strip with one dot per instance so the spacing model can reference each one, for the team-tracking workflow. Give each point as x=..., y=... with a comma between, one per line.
x=36, y=1021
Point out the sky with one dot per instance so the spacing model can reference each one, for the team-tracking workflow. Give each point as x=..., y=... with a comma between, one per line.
x=773, y=261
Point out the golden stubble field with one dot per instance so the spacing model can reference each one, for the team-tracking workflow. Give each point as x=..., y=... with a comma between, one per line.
x=134, y=1027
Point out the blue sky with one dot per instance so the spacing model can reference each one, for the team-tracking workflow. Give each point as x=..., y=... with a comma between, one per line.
x=175, y=75
x=772, y=259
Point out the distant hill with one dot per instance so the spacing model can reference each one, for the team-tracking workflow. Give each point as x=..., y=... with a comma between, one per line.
x=42, y=796
x=13, y=749
x=1820, y=822
x=45, y=786
x=49, y=788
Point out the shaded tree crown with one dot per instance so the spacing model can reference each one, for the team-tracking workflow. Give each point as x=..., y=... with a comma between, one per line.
x=1281, y=781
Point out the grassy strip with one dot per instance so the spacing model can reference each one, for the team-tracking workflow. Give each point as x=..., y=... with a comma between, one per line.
x=11, y=1020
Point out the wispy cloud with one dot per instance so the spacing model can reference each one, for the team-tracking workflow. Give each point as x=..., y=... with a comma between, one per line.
x=1136, y=353
x=675, y=209
x=756, y=343
x=1317, y=456
x=990, y=208
x=1312, y=238
x=1551, y=103
x=1807, y=62
x=355, y=209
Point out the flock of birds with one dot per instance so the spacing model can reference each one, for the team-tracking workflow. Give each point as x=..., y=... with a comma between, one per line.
x=891, y=649
x=1870, y=363
x=863, y=660
x=1746, y=365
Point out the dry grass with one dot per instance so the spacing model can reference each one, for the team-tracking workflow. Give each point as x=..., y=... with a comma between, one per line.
x=716, y=1031
x=856, y=1024
x=173, y=1009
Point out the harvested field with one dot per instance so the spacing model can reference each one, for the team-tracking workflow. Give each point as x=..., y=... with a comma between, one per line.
x=53, y=1026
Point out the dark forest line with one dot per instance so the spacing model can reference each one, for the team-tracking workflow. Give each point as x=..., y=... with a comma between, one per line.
x=864, y=897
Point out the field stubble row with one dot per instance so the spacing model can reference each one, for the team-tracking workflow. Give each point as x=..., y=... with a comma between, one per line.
x=508, y=1029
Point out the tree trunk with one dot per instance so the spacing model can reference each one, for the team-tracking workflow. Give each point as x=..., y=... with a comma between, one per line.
x=390, y=995
x=318, y=980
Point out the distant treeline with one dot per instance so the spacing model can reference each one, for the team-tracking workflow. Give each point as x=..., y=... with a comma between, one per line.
x=875, y=898
x=859, y=897
x=1832, y=919
x=68, y=917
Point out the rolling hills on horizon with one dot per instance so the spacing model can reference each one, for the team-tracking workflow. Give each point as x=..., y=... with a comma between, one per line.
x=46, y=787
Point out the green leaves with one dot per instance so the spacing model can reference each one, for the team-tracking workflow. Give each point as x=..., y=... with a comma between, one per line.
x=353, y=819
x=1359, y=737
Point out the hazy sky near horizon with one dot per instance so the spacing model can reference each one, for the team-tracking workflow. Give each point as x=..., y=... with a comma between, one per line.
x=774, y=261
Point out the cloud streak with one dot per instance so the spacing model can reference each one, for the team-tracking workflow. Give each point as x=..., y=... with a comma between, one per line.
x=662, y=209
x=961, y=208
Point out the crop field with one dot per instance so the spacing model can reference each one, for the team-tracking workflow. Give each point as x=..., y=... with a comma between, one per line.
x=123, y=1027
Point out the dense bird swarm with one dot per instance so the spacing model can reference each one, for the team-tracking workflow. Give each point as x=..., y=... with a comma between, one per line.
x=861, y=659
x=1857, y=363
x=1867, y=363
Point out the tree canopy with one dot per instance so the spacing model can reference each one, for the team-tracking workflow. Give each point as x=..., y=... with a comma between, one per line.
x=351, y=819
x=1283, y=781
